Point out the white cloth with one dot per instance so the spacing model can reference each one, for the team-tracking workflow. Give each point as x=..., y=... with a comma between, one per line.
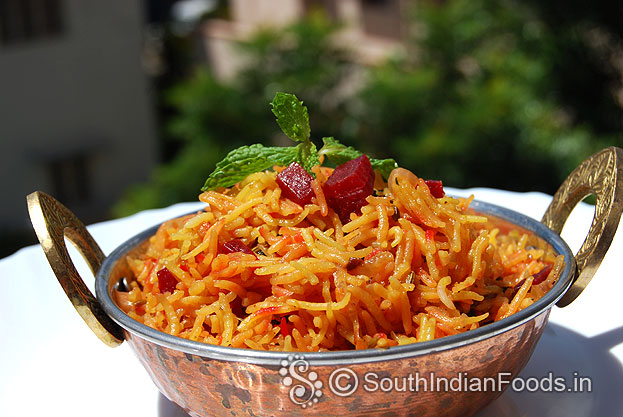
x=51, y=362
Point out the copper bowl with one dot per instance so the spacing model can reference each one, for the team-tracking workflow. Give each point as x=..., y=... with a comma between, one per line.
x=452, y=376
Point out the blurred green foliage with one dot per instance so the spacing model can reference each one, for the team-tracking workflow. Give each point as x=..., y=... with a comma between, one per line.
x=471, y=102
x=475, y=109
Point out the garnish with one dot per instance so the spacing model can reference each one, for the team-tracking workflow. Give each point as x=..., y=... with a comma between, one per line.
x=339, y=154
x=293, y=119
x=243, y=161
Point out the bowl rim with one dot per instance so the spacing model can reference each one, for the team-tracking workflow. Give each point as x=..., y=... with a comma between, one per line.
x=103, y=291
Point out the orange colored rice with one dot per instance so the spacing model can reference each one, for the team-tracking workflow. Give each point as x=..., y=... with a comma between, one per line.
x=409, y=268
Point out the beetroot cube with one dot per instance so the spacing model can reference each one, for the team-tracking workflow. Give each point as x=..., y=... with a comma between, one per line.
x=166, y=280
x=235, y=245
x=541, y=276
x=348, y=187
x=295, y=184
x=435, y=187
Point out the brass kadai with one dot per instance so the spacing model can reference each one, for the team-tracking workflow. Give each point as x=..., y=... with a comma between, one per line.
x=214, y=380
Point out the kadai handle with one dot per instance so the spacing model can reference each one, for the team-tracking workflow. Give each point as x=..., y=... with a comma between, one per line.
x=53, y=222
x=601, y=175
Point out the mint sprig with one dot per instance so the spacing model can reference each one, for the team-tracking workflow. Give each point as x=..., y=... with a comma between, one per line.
x=243, y=161
x=339, y=154
x=293, y=119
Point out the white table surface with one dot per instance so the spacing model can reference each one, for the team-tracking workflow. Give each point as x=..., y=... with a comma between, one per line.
x=50, y=362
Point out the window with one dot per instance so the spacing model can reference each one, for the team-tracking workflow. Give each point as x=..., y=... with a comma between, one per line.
x=70, y=177
x=28, y=20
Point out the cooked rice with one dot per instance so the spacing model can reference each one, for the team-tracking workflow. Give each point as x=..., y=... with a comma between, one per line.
x=409, y=268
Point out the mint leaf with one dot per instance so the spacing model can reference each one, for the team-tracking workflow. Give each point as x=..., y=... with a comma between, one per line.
x=384, y=166
x=246, y=160
x=293, y=119
x=336, y=152
x=292, y=116
x=308, y=156
x=339, y=154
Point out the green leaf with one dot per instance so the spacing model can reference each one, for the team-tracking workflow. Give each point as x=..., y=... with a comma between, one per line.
x=292, y=116
x=336, y=152
x=339, y=154
x=308, y=156
x=246, y=160
x=384, y=166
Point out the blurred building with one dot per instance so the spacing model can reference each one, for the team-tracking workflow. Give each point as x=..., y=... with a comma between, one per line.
x=75, y=109
x=373, y=29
